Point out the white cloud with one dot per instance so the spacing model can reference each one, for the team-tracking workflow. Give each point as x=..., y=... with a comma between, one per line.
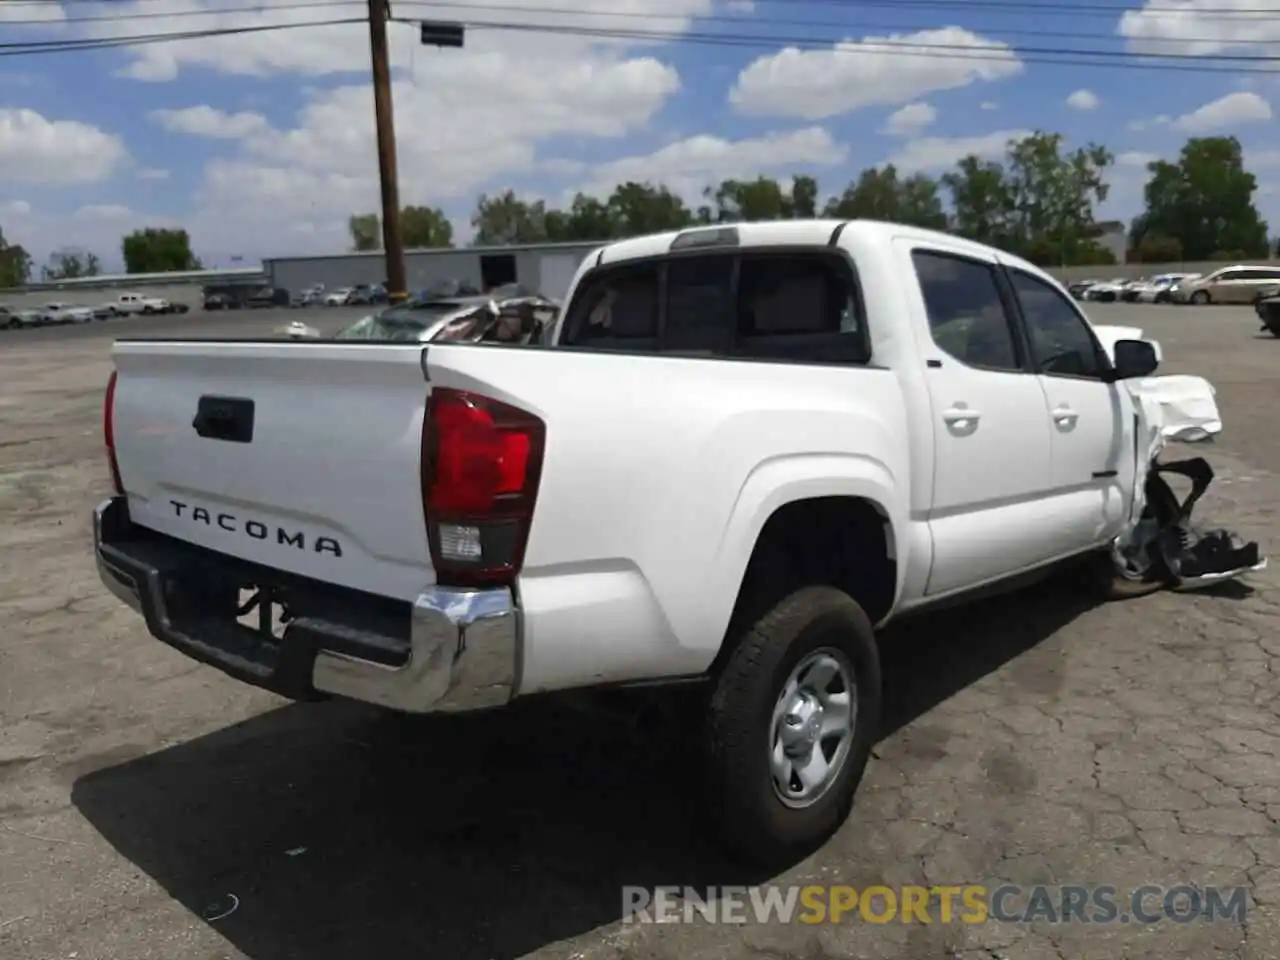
x=1163, y=120
x=1135, y=159
x=50, y=13
x=207, y=121
x=34, y=149
x=989, y=105
x=1233, y=110
x=817, y=84
x=317, y=51
x=689, y=165
x=1198, y=27
x=316, y=173
x=97, y=228
x=911, y=120
x=1083, y=100
x=935, y=153
x=151, y=173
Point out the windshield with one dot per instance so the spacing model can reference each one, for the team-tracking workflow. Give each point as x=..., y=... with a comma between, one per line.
x=404, y=323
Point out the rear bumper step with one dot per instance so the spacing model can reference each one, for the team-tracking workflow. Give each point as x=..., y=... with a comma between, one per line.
x=449, y=650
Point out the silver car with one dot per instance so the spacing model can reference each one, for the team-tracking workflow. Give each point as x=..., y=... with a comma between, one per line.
x=66, y=313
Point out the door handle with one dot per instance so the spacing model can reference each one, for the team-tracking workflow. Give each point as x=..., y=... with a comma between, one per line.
x=1065, y=415
x=960, y=414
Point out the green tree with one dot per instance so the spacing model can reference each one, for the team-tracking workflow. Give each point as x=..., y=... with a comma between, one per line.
x=1204, y=200
x=366, y=231
x=15, y=264
x=1054, y=196
x=641, y=208
x=420, y=228
x=424, y=227
x=587, y=219
x=880, y=193
x=804, y=197
x=158, y=250
x=981, y=201
x=70, y=264
x=507, y=219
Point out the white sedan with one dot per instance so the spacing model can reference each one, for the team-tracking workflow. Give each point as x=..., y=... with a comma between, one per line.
x=66, y=313
x=337, y=298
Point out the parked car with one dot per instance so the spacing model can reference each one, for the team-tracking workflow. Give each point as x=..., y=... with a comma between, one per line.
x=268, y=297
x=1107, y=291
x=337, y=298
x=18, y=319
x=136, y=303
x=448, y=289
x=1268, y=311
x=59, y=312
x=1077, y=288
x=220, y=301
x=360, y=295
x=470, y=319
x=1157, y=289
x=1129, y=292
x=1229, y=285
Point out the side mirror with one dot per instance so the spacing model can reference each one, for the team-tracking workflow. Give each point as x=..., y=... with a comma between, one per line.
x=1134, y=359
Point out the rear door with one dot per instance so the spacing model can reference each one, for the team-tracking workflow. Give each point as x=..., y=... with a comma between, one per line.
x=1091, y=421
x=990, y=422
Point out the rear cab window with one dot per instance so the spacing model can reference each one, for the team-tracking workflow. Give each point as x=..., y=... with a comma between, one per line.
x=799, y=305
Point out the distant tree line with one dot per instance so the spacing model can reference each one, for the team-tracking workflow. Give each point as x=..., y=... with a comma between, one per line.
x=1038, y=201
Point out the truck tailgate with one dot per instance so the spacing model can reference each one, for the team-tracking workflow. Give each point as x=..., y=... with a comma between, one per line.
x=306, y=458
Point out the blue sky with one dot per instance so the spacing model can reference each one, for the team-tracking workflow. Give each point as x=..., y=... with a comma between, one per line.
x=261, y=143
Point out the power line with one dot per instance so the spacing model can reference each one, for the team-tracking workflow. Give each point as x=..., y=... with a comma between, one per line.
x=39, y=47
x=953, y=51
x=1023, y=7
x=621, y=14
x=980, y=53
x=176, y=14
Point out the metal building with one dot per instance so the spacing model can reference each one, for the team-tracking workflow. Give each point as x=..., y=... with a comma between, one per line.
x=547, y=268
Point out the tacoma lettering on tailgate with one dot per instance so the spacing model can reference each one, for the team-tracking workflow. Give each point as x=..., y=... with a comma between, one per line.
x=255, y=529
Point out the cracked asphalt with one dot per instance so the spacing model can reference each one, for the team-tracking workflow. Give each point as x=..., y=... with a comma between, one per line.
x=151, y=808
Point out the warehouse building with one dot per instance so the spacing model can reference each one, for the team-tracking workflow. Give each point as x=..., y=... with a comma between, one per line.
x=548, y=268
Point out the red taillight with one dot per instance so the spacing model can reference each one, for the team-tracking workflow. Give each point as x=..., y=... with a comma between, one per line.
x=481, y=462
x=109, y=433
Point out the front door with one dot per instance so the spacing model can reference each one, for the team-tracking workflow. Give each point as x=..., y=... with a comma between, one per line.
x=992, y=443
x=1092, y=466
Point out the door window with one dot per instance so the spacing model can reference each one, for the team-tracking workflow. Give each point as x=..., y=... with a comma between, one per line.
x=618, y=310
x=1061, y=342
x=967, y=316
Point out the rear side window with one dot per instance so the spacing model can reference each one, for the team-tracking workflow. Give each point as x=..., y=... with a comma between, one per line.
x=800, y=306
x=967, y=315
x=618, y=310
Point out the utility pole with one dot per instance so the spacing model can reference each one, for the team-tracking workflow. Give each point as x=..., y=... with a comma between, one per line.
x=392, y=246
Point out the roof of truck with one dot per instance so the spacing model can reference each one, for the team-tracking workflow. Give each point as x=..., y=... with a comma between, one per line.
x=819, y=231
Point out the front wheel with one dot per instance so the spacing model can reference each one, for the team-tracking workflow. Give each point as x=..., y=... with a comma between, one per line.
x=793, y=716
x=1200, y=298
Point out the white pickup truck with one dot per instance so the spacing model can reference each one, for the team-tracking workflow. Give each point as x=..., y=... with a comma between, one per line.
x=744, y=449
x=136, y=303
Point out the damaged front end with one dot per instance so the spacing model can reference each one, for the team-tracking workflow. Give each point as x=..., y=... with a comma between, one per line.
x=1160, y=542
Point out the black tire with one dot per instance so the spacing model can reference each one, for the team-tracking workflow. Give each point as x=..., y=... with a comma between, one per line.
x=1200, y=298
x=753, y=822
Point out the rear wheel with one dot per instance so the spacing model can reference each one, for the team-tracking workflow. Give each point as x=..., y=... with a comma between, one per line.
x=1200, y=297
x=792, y=719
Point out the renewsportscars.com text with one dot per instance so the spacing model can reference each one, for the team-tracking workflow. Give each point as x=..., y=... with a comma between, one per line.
x=967, y=903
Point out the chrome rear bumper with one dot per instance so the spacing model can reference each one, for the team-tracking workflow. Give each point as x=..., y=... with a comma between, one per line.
x=460, y=650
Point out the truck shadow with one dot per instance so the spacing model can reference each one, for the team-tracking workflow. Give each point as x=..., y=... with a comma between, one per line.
x=331, y=831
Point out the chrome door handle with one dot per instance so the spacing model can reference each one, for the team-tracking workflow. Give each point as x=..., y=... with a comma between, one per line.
x=960, y=415
x=1065, y=415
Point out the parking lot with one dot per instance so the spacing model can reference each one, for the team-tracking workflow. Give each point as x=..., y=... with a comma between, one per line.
x=151, y=808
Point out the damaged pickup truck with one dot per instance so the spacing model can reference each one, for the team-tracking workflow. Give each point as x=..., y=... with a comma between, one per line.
x=741, y=451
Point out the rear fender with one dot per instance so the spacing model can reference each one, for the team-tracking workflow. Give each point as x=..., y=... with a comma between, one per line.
x=784, y=480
